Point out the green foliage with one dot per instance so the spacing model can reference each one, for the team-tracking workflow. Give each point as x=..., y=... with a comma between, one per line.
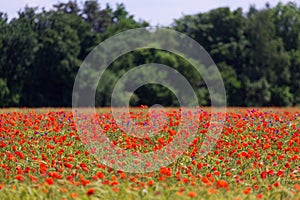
x=257, y=53
x=4, y=92
x=295, y=75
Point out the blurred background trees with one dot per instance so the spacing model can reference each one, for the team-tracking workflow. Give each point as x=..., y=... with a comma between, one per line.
x=257, y=53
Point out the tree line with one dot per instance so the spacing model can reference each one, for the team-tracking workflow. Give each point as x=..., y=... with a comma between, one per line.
x=257, y=53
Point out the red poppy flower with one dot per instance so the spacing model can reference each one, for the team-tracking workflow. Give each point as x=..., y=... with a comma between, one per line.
x=192, y=194
x=222, y=184
x=90, y=191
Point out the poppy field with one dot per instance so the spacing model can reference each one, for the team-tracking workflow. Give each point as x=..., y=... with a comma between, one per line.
x=256, y=156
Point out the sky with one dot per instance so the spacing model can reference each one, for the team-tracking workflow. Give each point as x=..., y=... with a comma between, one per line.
x=157, y=12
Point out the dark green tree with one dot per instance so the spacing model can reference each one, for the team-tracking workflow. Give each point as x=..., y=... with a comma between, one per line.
x=56, y=62
x=19, y=45
x=266, y=58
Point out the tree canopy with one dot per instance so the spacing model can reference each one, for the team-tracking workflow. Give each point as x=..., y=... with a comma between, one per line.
x=257, y=53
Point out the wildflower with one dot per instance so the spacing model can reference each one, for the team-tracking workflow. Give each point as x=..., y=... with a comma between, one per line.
x=150, y=183
x=212, y=191
x=100, y=175
x=297, y=187
x=276, y=184
x=228, y=174
x=280, y=173
x=247, y=190
x=19, y=177
x=49, y=181
x=217, y=173
x=122, y=175
x=222, y=184
x=256, y=187
x=90, y=191
x=192, y=194
x=73, y=195
x=68, y=165
x=263, y=175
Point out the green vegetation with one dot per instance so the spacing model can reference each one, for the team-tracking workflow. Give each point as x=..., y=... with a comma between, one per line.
x=257, y=52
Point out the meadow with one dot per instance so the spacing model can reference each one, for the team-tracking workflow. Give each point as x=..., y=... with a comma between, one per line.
x=256, y=157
